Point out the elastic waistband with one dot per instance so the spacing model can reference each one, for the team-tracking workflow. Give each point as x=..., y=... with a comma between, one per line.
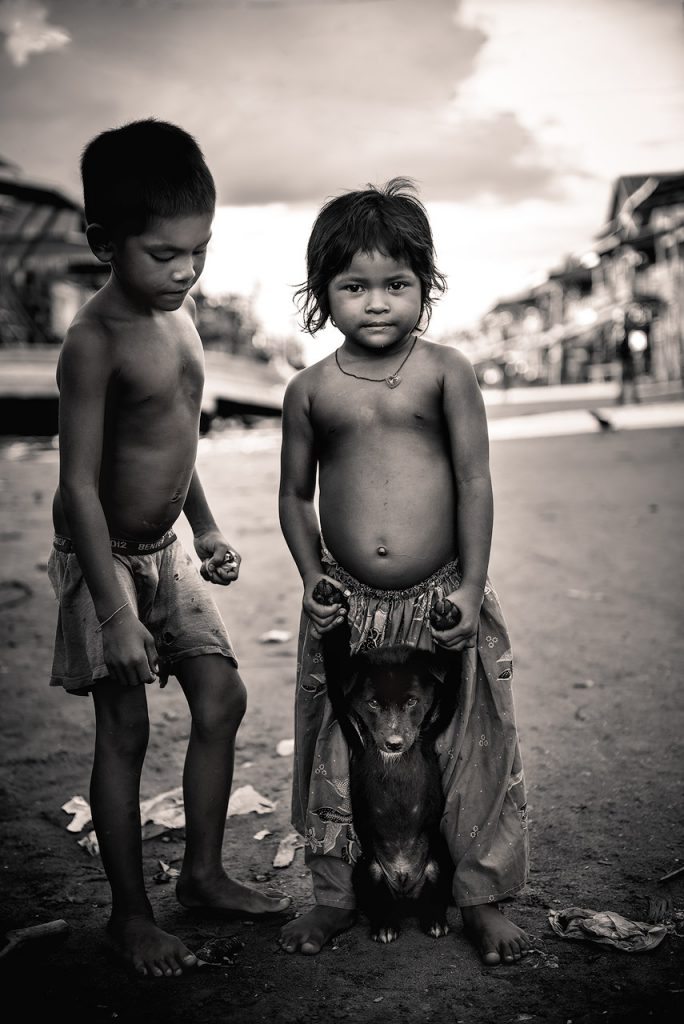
x=450, y=571
x=123, y=547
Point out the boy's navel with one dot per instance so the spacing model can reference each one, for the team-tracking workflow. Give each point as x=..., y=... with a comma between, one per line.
x=382, y=550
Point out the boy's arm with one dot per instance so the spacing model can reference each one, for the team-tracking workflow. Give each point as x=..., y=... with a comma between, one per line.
x=84, y=375
x=298, y=519
x=220, y=561
x=467, y=425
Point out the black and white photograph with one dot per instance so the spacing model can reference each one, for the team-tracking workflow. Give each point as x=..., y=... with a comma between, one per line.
x=341, y=485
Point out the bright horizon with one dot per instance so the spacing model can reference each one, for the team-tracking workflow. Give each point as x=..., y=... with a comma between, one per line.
x=514, y=119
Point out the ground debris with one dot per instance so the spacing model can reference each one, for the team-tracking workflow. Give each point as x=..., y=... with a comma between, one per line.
x=286, y=850
x=608, y=928
x=220, y=952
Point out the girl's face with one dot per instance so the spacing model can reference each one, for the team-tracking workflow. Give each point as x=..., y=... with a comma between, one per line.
x=376, y=302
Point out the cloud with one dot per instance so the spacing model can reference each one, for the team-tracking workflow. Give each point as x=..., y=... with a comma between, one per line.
x=24, y=23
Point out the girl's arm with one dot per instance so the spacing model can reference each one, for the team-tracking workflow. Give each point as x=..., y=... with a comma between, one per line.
x=84, y=374
x=298, y=519
x=467, y=426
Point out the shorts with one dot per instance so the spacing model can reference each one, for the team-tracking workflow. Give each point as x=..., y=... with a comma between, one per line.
x=162, y=586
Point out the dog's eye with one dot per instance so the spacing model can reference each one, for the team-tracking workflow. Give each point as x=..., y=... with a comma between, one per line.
x=411, y=702
x=373, y=704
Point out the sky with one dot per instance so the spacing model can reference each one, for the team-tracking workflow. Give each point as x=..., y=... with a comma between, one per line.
x=514, y=117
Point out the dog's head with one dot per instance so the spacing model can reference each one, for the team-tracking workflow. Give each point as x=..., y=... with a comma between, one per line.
x=393, y=697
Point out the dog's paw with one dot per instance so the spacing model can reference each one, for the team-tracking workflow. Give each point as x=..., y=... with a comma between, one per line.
x=387, y=933
x=437, y=929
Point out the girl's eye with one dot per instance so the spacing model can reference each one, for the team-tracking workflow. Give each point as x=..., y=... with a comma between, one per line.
x=161, y=259
x=397, y=286
x=353, y=288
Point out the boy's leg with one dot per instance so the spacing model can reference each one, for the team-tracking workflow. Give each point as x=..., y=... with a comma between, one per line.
x=122, y=730
x=217, y=699
x=484, y=822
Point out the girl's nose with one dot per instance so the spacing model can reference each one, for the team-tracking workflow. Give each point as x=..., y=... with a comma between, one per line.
x=377, y=302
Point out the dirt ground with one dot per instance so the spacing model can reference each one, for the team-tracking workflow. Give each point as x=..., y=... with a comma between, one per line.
x=587, y=561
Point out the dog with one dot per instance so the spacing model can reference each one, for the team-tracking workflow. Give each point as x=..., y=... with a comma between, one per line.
x=391, y=706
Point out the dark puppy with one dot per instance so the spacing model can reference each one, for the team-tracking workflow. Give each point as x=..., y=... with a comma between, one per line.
x=391, y=707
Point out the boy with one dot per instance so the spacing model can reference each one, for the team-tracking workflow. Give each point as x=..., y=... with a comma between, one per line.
x=395, y=428
x=132, y=607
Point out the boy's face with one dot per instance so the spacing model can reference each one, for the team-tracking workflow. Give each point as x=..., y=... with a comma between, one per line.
x=160, y=266
x=376, y=302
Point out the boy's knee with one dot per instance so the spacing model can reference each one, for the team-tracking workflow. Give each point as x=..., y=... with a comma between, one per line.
x=224, y=706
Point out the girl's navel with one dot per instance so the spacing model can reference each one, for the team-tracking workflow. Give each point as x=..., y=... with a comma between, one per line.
x=382, y=550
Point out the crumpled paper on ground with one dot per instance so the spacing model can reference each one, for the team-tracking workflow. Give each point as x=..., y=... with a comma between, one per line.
x=286, y=850
x=162, y=812
x=608, y=928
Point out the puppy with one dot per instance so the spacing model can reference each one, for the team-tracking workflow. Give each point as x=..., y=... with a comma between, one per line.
x=391, y=707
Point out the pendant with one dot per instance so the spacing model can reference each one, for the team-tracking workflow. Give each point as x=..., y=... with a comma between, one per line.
x=393, y=381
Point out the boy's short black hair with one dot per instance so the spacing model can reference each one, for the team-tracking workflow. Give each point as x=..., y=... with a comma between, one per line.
x=388, y=219
x=141, y=170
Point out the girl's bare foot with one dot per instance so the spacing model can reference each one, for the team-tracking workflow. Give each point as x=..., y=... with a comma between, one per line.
x=497, y=939
x=147, y=948
x=223, y=895
x=310, y=932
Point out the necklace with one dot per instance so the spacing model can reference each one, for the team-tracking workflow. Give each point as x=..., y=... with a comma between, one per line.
x=393, y=380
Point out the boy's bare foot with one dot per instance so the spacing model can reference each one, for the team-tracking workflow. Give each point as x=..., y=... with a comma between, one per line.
x=148, y=949
x=497, y=939
x=310, y=932
x=223, y=895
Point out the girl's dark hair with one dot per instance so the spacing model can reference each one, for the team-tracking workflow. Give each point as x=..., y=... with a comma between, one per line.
x=388, y=219
x=144, y=169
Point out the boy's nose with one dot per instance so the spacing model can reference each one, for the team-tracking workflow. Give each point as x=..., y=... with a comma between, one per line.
x=184, y=271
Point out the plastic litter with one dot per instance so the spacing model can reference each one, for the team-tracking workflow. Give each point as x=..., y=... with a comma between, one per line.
x=285, y=748
x=286, y=850
x=80, y=808
x=246, y=799
x=275, y=636
x=608, y=928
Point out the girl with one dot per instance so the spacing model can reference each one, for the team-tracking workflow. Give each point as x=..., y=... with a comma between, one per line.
x=394, y=428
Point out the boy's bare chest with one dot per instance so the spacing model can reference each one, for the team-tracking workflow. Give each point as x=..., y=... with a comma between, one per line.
x=161, y=371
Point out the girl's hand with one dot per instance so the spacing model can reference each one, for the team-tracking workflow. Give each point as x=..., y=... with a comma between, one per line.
x=220, y=561
x=468, y=600
x=325, y=616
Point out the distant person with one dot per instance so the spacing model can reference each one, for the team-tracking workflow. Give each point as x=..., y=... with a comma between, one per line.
x=132, y=607
x=628, y=364
x=394, y=429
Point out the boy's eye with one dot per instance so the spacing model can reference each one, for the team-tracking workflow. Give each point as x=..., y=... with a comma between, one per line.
x=161, y=259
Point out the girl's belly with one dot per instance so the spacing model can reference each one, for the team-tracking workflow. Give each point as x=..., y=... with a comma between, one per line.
x=390, y=530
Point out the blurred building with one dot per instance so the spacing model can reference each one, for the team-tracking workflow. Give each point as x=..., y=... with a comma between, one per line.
x=567, y=329
x=46, y=267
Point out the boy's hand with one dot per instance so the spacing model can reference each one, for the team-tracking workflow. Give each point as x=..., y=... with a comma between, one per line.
x=130, y=653
x=220, y=561
x=468, y=601
x=325, y=602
